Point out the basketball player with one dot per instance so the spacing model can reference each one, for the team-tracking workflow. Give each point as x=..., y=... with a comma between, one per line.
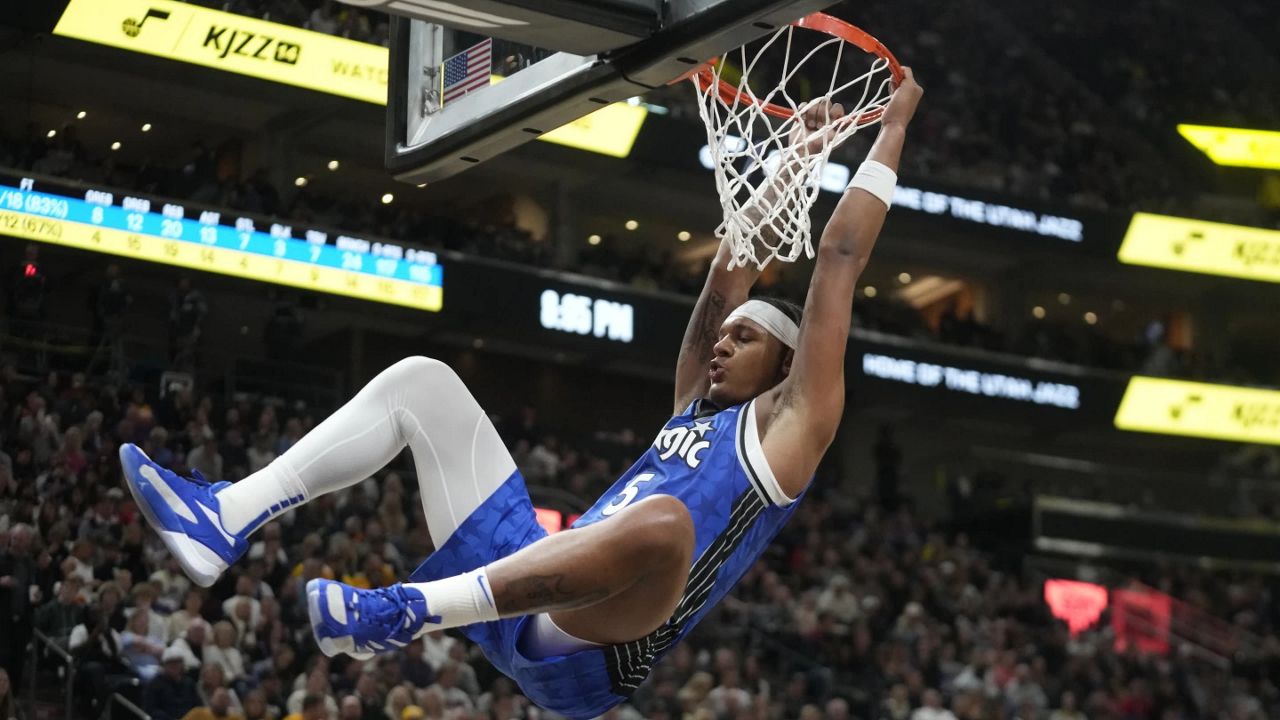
x=579, y=618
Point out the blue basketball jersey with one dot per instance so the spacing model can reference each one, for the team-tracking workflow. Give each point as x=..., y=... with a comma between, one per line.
x=715, y=466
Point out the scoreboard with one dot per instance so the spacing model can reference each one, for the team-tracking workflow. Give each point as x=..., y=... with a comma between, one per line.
x=107, y=221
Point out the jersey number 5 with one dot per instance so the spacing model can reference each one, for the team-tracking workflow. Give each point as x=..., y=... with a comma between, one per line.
x=627, y=495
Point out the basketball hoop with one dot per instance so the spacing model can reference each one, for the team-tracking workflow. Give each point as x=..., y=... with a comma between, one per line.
x=767, y=187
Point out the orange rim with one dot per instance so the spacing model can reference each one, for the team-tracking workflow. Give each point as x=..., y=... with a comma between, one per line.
x=821, y=22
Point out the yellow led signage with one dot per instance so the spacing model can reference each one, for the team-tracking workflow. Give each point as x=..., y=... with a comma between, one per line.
x=1219, y=412
x=1203, y=247
x=289, y=55
x=1235, y=146
x=234, y=43
x=611, y=130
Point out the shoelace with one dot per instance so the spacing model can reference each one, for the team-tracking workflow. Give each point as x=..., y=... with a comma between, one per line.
x=393, y=618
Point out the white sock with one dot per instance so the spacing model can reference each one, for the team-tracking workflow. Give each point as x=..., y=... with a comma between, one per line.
x=247, y=504
x=460, y=600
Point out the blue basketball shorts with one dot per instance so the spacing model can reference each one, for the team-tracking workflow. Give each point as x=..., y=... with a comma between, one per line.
x=577, y=685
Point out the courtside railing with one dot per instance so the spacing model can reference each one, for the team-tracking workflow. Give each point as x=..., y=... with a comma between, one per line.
x=66, y=667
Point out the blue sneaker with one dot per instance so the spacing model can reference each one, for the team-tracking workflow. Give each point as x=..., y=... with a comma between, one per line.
x=362, y=623
x=185, y=512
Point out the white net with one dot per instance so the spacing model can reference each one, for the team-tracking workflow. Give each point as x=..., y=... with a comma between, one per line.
x=769, y=167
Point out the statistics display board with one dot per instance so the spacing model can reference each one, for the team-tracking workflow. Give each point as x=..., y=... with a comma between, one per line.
x=141, y=228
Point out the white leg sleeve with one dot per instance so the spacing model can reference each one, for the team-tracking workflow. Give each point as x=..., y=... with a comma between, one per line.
x=418, y=402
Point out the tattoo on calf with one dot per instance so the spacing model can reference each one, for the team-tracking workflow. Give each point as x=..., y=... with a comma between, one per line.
x=543, y=592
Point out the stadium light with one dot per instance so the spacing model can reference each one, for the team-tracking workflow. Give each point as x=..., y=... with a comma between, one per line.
x=1037, y=312
x=683, y=236
x=869, y=291
x=1236, y=147
x=115, y=145
x=1091, y=318
x=593, y=239
x=300, y=181
x=387, y=198
x=52, y=133
x=81, y=115
x=333, y=165
x=904, y=278
x=631, y=225
x=1064, y=298
x=146, y=127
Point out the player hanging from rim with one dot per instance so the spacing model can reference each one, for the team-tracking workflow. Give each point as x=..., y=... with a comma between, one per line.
x=578, y=618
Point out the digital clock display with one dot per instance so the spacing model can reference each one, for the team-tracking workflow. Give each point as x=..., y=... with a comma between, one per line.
x=144, y=229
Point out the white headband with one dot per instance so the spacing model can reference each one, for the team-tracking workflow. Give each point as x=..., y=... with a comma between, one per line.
x=774, y=321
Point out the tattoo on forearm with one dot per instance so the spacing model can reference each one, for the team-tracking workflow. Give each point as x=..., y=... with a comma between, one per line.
x=542, y=592
x=705, y=327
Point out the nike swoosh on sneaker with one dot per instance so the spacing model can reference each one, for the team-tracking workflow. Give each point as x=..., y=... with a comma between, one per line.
x=217, y=523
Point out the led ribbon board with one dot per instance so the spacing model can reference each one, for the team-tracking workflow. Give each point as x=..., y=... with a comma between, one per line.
x=200, y=240
x=1204, y=247
x=1235, y=146
x=1218, y=412
x=234, y=43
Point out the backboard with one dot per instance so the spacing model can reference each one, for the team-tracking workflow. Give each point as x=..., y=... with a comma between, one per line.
x=559, y=60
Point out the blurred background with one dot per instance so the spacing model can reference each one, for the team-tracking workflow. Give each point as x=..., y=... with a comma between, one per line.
x=993, y=534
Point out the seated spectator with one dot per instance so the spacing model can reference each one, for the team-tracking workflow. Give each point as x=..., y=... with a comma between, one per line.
x=932, y=708
x=171, y=695
x=1067, y=709
x=244, y=609
x=312, y=707
x=435, y=648
x=350, y=708
x=192, y=602
x=728, y=699
x=192, y=644
x=223, y=651
x=374, y=573
x=139, y=649
x=454, y=698
x=111, y=600
x=171, y=586
x=59, y=618
x=98, y=652
x=213, y=681
x=255, y=706
x=466, y=674
x=398, y=699
x=898, y=705
x=369, y=693
x=216, y=707
x=144, y=594
x=80, y=563
x=317, y=686
x=414, y=668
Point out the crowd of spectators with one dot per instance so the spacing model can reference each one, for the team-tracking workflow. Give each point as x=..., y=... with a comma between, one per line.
x=858, y=610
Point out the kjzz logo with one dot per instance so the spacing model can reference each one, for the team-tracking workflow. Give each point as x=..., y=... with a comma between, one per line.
x=228, y=41
x=133, y=26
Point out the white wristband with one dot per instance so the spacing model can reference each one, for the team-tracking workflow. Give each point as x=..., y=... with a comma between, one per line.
x=877, y=179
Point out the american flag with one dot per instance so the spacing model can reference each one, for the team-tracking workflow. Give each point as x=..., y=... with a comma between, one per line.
x=468, y=70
